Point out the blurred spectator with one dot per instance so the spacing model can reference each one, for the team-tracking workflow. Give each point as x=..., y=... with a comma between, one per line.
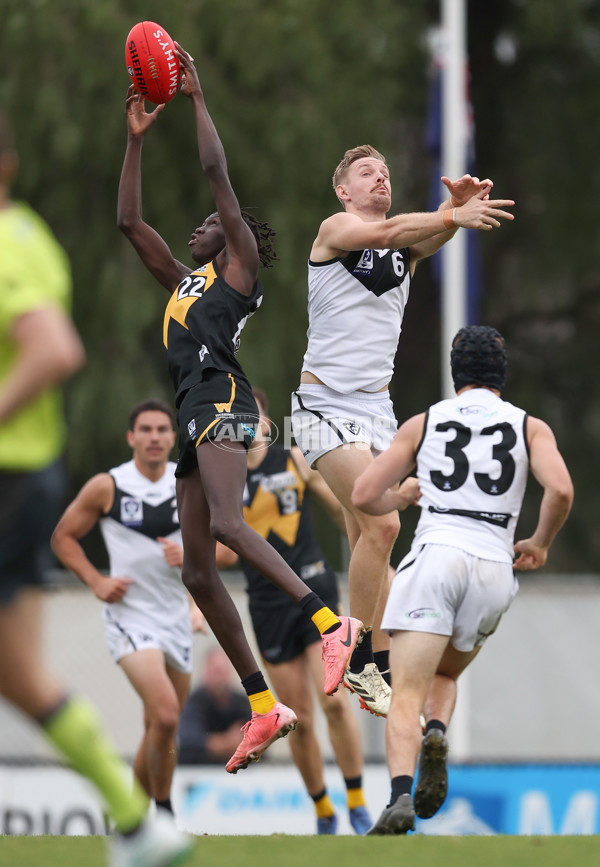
x=210, y=723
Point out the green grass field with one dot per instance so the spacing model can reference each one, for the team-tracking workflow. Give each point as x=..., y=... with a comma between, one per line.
x=295, y=851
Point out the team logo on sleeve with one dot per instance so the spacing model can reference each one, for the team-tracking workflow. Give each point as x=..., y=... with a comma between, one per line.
x=132, y=512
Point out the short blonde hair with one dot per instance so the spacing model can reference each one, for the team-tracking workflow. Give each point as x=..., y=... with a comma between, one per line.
x=350, y=157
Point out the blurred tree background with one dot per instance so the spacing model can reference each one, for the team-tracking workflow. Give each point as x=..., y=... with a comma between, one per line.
x=291, y=84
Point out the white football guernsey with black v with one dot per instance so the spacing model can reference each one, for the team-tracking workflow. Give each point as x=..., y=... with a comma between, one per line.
x=472, y=466
x=355, y=309
x=143, y=510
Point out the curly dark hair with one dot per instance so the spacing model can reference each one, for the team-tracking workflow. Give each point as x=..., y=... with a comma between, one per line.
x=264, y=235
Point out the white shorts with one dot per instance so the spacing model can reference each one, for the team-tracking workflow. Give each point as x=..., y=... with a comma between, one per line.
x=123, y=638
x=446, y=591
x=324, y=420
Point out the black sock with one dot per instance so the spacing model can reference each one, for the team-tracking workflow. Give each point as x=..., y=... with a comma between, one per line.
x=400, y=786
x=353, y=782
x=164, y=805
x=310, y=604
x=382, y=661
x=363, y=653
x=254, y=683
x=435, y=724
x=319, y=795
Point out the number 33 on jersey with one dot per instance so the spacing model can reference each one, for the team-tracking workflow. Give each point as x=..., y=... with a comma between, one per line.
x=472, y=466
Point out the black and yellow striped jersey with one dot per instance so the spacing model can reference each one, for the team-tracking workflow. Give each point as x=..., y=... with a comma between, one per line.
x=276, y=505
x=202, y=326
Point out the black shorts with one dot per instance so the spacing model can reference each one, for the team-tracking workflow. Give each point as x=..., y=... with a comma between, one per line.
x=283, y=632
x=221, y=408
x=30, y=506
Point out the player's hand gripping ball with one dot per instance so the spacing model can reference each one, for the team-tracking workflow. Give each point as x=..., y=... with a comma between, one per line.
x=152, y=63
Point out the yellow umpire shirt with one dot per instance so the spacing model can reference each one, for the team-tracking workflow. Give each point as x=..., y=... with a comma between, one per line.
x=34, y=273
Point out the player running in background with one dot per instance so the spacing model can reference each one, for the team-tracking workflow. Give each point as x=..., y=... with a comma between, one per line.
x=147, y=612
x=473, y=454
x=359, y=275
x=40, y=349
x=217, y=413
x=279, y=483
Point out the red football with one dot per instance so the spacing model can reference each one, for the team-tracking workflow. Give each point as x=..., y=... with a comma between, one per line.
x=151, y=62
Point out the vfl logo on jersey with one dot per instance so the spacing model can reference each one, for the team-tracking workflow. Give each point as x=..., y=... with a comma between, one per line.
x=352, y=427
x=381, y=273
x=132, y=512
x=192, y=428
x=365, y=262
x=203, y=353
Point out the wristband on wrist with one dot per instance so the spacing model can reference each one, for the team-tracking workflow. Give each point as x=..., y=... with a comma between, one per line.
x=449, y=218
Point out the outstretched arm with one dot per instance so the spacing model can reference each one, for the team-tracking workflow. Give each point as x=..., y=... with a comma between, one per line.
x=423, y=233
x=151, y=248
x=460, y=191
x=469, y=206
x=240, y=261
x=548, y=467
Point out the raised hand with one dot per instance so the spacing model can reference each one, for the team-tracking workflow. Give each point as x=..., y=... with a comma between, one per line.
x=139, y=120
x=465, y=188
x=481, y=212
x=190, y=83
